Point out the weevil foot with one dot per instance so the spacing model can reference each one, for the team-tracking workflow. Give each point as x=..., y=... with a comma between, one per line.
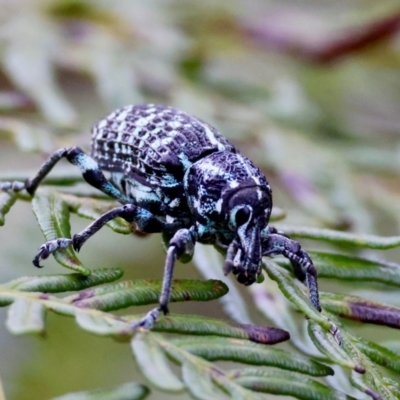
x=147, y=321
x=49, y=248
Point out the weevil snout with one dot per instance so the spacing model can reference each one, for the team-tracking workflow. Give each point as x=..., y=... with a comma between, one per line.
x=246, y=278
x=245, y=269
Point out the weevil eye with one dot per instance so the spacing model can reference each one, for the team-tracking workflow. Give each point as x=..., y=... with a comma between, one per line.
x=242, y=216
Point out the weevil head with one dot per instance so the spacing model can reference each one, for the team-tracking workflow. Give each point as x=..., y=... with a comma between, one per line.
x=231, y=199
x=247, y=211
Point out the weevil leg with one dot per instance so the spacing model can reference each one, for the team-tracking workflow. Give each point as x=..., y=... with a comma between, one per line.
x=277, y=243
x=181, y=244
x=31, y=184
x=144, y=220
x=91, y=172
x=231, y=252
x=303, y=267
x=298, y=270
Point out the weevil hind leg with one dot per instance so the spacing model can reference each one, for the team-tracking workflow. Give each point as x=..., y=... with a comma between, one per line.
x=31, y=184
x=91, y=172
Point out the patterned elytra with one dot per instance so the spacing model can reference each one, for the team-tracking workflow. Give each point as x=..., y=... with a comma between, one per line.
x=177, y=175
x=152, y=138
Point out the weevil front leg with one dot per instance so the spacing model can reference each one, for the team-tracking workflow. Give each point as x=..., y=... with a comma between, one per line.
x=276, y=243
x=143, y=219
x=181, y=245
x=91, y=172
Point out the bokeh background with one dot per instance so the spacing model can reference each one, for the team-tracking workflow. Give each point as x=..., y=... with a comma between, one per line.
x=310, y=90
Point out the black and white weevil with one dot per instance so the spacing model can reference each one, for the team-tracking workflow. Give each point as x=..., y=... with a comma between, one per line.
x=177, y=175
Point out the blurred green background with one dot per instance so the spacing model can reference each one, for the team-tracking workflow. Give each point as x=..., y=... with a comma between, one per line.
x=310, y=90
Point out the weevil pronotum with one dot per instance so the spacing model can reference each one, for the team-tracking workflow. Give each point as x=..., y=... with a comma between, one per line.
x=177, y=175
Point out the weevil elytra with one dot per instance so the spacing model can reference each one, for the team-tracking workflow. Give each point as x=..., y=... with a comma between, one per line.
x=177, y=175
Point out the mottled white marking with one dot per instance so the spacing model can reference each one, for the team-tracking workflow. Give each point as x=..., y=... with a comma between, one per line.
x=170, y=219
x=211, y=137
x=112, y=115
x=142, y=122
x=141, y=192
x=143, y=139
x=86, y=163
x=218, y=205
x=184, y=160
x=122, y=116
x=174, y=203
x=174, y=124
x=102, y=124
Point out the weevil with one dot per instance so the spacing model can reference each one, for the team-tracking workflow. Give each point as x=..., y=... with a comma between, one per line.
x=177, y=175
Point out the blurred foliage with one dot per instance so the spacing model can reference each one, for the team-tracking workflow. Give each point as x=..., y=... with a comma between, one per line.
x=308, y=90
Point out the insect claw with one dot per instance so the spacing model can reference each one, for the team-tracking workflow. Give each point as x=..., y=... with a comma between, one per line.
x=77, y=242
x=36, y=261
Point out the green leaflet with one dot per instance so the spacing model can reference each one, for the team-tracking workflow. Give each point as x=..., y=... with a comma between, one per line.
x=103, y=324
x=327, y=345
x=353, y=268
x=342, y=238
x=361, y=382
x=371, y=382
x=292, y=291
x=276, y=381
x=360, y=309
x=183, y=324
x=153, y=363
x=26, y=316
x=6, y=202
x=65, y=282
x=128, y=293
x=195, y=368
x=197, y=325
x=126, y=391
x=52, y=214
x=379, y=354
x=199, y=380
x=218, y=348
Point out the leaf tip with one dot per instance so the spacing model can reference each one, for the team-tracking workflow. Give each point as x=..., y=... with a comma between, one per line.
x=265, y=335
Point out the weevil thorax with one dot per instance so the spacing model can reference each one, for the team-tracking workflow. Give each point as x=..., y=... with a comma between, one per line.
x=230, y=198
